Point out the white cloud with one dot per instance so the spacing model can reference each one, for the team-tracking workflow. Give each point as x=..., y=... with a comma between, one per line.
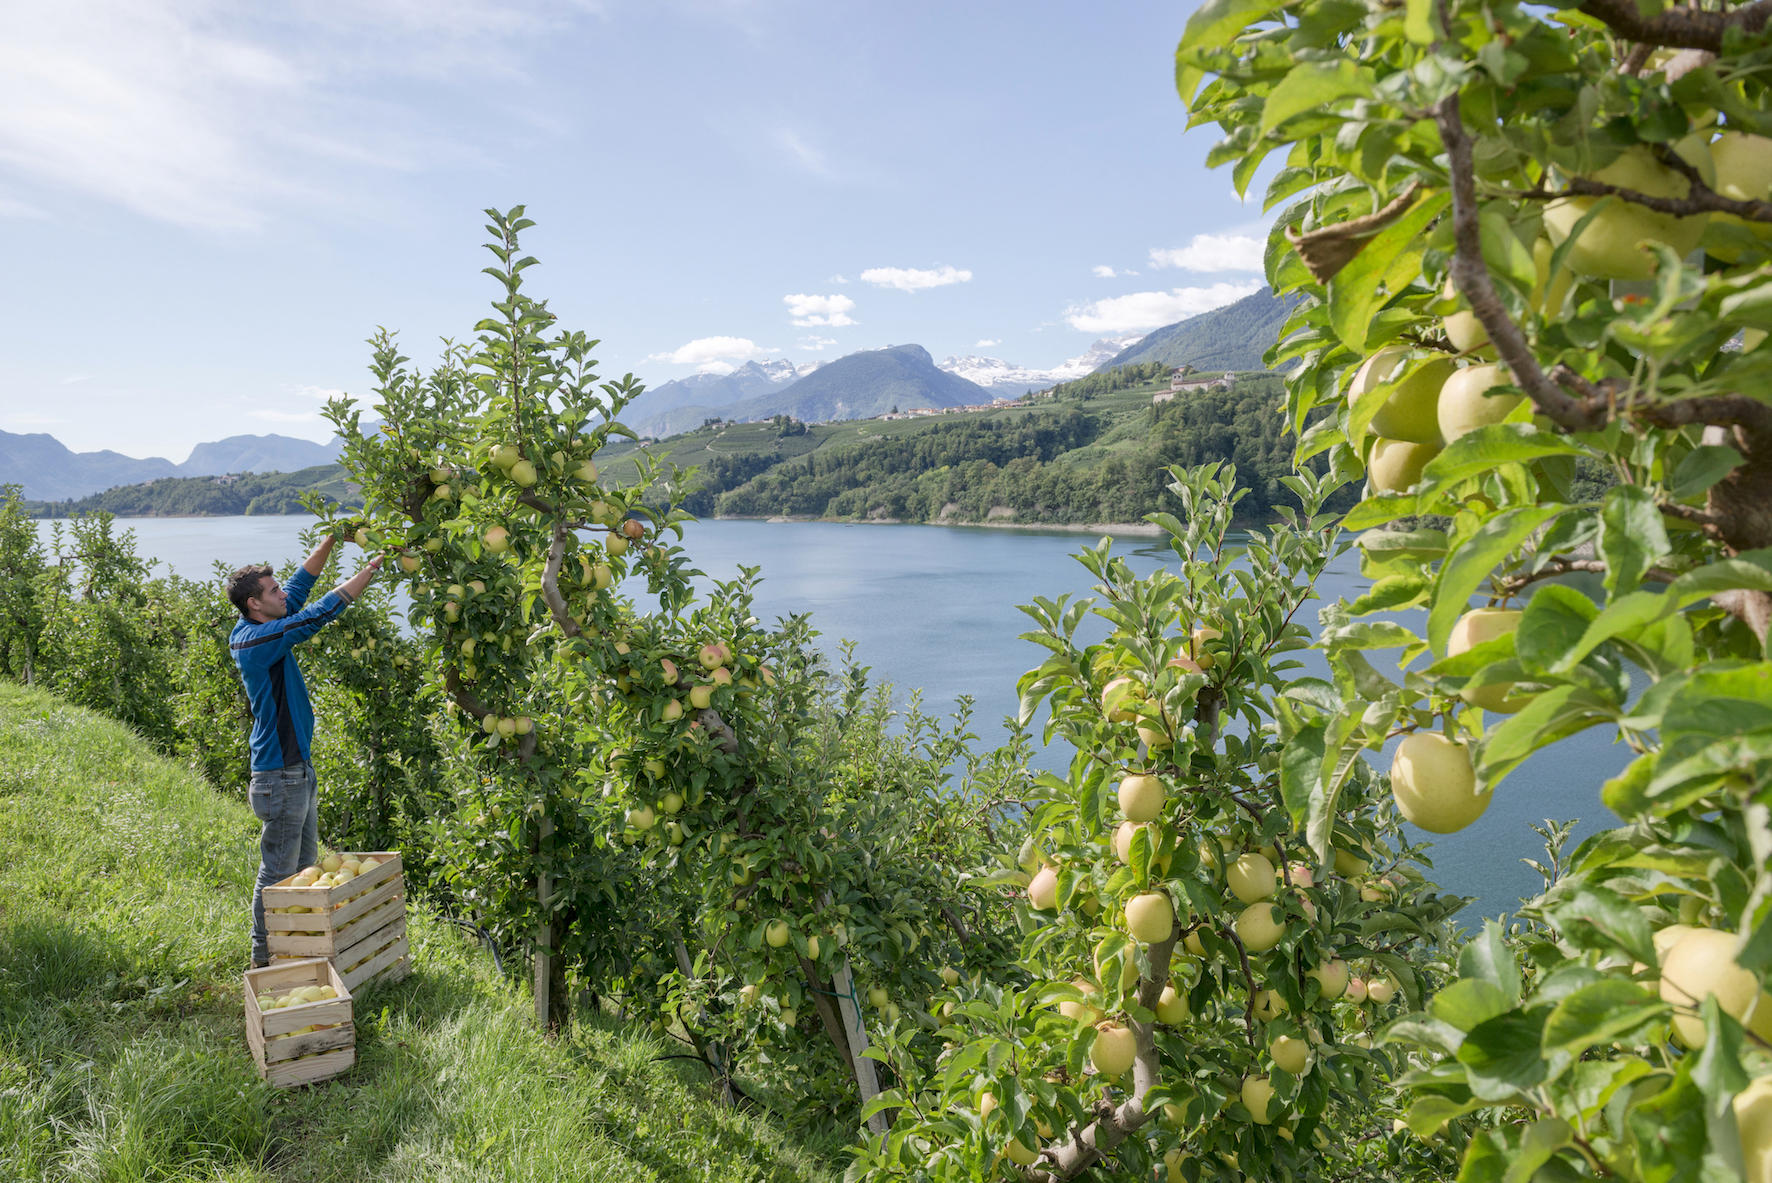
x=214, y=116
x=322, y=393
x=809, y=311
x=816, y=344
x=838, y=278
x=1213, y=252
x=912, y=279
x=1102, y=271
x=985, y=343
x=714, y=355
x=1150, y=310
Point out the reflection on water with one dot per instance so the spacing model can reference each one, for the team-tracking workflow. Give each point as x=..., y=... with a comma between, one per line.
x=936, y=608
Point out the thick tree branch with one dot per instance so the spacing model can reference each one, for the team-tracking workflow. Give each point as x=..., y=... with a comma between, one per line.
x=550, y=583
x=1114, y=1123
x=1472, y=279
x=1679, y=27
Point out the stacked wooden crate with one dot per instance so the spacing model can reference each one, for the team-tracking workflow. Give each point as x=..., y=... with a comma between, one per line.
x=299, y=1022
x=359, y=926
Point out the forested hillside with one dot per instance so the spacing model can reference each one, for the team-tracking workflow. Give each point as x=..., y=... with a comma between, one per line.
x=247, y=493
x=1090, y=454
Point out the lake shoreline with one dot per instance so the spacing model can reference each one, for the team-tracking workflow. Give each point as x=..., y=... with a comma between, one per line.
x=1134, y=529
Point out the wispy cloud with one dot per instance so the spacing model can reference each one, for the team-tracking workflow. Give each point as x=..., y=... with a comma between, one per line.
x=817, y=344
x=912, y=279
x=808, y=311
x=216, y=116
x=320, y=393
x=796, y=148
x=985, y=343
x=1213, y=252
x=1149, y=310
x=1102, y=271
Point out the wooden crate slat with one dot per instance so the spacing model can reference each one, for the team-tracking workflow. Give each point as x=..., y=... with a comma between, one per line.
x=337, y=945
x=330, y=1040
x=281, y=895
x=375, y=965
x=299, y=1072
x=368, y=901
x=371, y=940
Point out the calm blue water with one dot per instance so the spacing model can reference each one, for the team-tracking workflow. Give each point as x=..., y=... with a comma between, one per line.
x=935, y=608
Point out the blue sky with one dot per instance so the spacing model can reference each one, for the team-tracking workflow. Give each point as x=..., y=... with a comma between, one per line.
x=207, y=207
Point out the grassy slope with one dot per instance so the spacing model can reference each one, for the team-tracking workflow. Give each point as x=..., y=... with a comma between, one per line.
x=124, y=881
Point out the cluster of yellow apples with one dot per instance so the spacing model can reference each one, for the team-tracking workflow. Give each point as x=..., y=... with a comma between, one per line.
x=296, y=997
x=1435, y=399
x=333, y=870
x=506, y=726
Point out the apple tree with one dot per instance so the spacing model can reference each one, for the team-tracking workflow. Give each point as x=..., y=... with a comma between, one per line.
x=1531, y=251
x=1197, y=985
x=658, y=792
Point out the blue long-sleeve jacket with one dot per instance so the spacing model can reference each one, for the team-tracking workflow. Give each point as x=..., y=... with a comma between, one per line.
x=282, y=718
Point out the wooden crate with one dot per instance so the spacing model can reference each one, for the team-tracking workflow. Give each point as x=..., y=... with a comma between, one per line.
x=285, y=1059
x=359, y=926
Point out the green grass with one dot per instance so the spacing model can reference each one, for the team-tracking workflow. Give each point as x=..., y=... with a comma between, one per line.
x=124, y=884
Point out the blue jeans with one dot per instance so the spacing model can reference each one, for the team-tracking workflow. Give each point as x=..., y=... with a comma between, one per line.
x=287, y=801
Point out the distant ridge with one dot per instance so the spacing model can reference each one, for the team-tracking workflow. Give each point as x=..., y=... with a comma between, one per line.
x=684, y=403
x=49, y=471
x=866, y=384
x=1230, y=338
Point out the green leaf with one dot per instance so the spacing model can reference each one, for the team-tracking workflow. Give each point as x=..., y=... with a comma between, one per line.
x=1489, y=958
x=1475, y=559
x=1301, y=773
x=1701, y=468
x=1387, y=263
x=1558, y=712
x=1612, y=916
x=1542, y=1140
x=1429, y=1114
x=1599, y=1014
x=1487, y=448
x=1628, y=614
x=1633, y=537
x=1668, y=1131
x=1468, y=1003
x=1312, y=86
x=1554, y=622
x=1503, y=1056
x=1718, y=1072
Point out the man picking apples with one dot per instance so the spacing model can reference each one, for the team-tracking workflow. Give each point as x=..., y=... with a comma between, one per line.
x=283, y=792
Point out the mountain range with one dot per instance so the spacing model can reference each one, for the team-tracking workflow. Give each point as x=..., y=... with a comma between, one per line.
x=859, y=386
x=49, y=471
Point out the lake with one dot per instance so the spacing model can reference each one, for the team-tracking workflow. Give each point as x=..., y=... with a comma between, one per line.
x=934, y=607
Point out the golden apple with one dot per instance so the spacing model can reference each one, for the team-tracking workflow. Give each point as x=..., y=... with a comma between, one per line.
x=1172, y=1007
x=1114, y=1049
x=1408, y=414
x=776, y=934
x=496, y=539
x=1753, y=1120
x=1610, y=246
x=1118, y=697
x=1258, y=1096
x=1290, y=1054
x=1331, y=977
x=877, y=997
x=1468, y=399
x=1252, y=877
x=1700, y=965
x=1434, y=784
x=1142, y=797
x=1043, y=889
x=1260, y=927
x=1380, y=990
x=1474, y=628
x=1150, y=917
x=1395, y=465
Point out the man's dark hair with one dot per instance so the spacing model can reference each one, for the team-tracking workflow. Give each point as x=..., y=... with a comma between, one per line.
x=244, y=584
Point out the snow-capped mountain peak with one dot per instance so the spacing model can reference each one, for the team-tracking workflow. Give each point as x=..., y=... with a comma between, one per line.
x=1006, y=378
